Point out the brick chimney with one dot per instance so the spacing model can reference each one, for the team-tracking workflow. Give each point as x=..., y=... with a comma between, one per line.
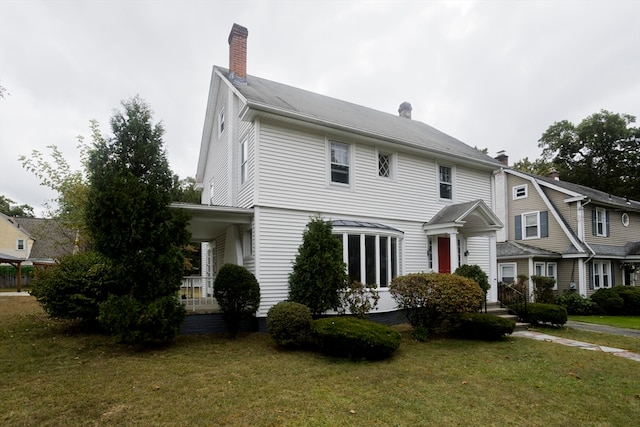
x=554, y=174
x=503, y=158
x=238, y=53
x=405, y=110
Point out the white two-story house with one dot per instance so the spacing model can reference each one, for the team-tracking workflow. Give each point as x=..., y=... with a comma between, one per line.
x=403, y=196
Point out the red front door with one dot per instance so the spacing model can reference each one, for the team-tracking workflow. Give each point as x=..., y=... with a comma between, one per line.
x=444, y=255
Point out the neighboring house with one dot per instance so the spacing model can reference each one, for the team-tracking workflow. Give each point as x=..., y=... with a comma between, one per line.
x=584, y=238
x=36, y=241
x=402, y=196
x=15, y=241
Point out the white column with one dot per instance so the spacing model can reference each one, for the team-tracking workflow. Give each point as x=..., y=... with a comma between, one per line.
x=492, y=296
x=453, y=250
x=582, y=278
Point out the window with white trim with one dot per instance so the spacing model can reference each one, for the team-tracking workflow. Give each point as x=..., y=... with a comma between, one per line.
x=340, y=158
x=244, y=154
x=507, y=272
x=601, y=276
x=520, y=192
x=384, y=165
x=625, y=219
x=445, y=182
x=530, y=224
x=20, y=244
x=601, y=222
x=547, y=269
x=371, y=257
x=220, y=122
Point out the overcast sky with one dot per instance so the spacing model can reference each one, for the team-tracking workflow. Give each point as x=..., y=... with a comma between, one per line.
x=494, y=74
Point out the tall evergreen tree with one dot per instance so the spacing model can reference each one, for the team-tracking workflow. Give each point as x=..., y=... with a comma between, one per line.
x=319, y=272
x=131, y=224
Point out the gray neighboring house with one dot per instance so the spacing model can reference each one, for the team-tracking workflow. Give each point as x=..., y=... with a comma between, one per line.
x=403, y=197
x=584, y=238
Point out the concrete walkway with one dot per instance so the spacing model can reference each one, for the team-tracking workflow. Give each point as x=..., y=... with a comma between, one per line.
x=539, y=336
x=15, y=294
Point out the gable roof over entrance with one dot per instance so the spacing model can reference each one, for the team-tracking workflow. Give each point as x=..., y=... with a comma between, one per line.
x=474, y=217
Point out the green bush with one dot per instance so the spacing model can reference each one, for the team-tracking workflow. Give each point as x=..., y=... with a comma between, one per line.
x=631, y=297
x=543, y=290
x=609, y=301
x=433, y=300
x=475, y=273
x=358, y=299
x=576, y=304
x=537, y=313
x=289, y=324
x=345, y=336
x=136, y=322
x=485, y=326
x=238, y=294
x=75, y=287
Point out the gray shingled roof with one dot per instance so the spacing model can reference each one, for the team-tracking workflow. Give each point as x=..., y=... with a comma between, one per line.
x=52, y=239
x=451, y=213
x=362, y=224
x=269, y=96
x=591, y=193
x=513, y=249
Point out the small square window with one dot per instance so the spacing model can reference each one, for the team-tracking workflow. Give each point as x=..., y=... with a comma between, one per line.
x=520, y=192
x=20, y=244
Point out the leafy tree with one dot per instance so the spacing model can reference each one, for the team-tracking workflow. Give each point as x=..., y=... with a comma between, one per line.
x=71, y=185
x=9, y=208
x=183, y=190
x=238, y=293
x=318, y=271
x=602, y=152
x=537, y=167
x=130, y=224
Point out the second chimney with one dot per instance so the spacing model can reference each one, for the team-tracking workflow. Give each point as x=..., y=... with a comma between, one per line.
x=503, y=158
x=405, y=110
x=238, y=53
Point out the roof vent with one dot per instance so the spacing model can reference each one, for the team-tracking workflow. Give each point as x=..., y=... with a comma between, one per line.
x=405, y=110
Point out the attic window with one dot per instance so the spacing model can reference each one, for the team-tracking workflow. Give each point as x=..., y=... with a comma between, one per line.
x=520, y=192
x=20, y=244
x=625, y=219
x=220, y=122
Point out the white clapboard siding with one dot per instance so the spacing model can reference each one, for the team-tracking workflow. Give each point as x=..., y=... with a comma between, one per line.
x=281, y=235
x=293, y=173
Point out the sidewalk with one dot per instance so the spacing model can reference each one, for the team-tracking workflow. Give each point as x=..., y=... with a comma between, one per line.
x=539, y=336
x=15, y=294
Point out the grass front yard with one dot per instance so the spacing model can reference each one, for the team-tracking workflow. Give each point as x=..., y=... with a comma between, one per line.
x=51, y=377
x=629, y=322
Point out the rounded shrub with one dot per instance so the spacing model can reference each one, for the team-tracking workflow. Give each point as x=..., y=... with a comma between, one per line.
x=289, y=324
x=576, y=304
x=609, y=301
x=238, y=294
x=75, y=288
x=631, y=297
x=537, y=313
x=485, y=326
x=345, y=336
x=433, y=300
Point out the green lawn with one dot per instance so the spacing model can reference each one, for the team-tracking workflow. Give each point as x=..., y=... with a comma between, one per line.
x=51, y=376
x=631, y=322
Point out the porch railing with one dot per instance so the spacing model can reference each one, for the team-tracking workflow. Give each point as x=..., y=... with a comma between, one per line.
x=196, y=293
x=513, y=296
